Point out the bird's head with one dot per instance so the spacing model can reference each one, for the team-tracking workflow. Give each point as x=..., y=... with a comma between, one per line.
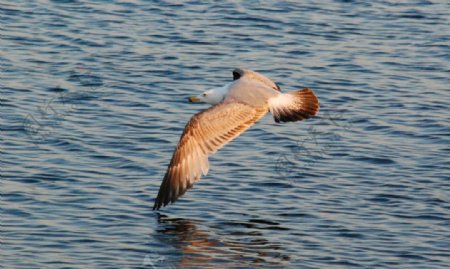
x=212, y=96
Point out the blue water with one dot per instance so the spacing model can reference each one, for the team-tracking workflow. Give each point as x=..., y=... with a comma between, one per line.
x=93, y=101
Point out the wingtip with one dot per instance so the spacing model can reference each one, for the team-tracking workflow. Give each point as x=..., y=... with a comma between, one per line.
x=159, y=204
x=156, y=205
x=237, y=73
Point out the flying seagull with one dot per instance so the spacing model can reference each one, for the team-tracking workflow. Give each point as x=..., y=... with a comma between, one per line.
x=236, y=107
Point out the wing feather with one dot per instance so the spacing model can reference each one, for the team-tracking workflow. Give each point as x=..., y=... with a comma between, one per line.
x=205, y=133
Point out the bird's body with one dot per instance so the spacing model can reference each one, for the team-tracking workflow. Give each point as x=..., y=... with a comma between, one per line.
x=237, y=106
x=243, y=91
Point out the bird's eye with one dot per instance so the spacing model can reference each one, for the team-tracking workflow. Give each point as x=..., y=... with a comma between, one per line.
x=204, y=94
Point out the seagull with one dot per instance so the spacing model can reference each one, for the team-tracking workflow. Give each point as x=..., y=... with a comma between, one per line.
x=236, y=107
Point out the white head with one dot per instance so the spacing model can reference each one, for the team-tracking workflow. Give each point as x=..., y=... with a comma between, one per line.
x=213, y=96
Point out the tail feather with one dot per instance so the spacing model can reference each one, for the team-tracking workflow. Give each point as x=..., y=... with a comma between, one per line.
x=294, y=106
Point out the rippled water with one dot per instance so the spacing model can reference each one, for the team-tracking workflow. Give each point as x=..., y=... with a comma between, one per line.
x=93, y=103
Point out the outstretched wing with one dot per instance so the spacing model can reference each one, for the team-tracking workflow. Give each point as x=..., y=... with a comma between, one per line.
x=205, y=133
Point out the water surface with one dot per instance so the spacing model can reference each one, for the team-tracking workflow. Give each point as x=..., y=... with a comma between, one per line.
x=94, y=100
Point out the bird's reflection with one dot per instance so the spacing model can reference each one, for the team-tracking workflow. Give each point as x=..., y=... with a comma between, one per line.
x=227, y=244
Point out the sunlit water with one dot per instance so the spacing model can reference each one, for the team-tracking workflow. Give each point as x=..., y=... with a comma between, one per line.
x=93, y=100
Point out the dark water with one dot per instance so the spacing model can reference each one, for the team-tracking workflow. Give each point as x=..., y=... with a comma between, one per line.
x=93, y=102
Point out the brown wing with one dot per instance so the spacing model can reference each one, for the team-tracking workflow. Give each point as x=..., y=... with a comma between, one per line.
x=204, y=134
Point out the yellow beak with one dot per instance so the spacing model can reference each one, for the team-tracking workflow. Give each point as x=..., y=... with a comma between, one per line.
x=193, y=99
